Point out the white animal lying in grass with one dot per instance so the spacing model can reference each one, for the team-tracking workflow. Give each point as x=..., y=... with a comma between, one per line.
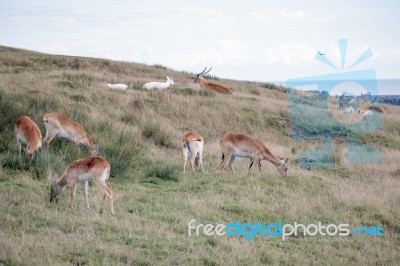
x=117, y=86
x=158, y=85
x=348, y=110
x=365, y=113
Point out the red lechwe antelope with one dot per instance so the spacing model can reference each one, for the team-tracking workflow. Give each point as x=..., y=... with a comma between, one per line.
x=239, y=145
x=28, y=133
x=81, y=171
x=61, y=126
x=371, y=107
x=210, y=85
x=193, y=145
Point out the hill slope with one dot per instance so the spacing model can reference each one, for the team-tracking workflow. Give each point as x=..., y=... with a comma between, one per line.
x=138, y=132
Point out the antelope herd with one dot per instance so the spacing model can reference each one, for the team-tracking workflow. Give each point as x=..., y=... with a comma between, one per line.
x=97, y=169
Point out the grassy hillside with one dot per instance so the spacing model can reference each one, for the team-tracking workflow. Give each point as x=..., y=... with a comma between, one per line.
x=138, y=133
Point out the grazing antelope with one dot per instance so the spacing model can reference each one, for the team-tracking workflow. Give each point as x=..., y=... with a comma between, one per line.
x=193, y=145
x=27, y=132
x=210, y=85
x=159, y=85
x=240, y=145
x=81, y=171
x=58, y=125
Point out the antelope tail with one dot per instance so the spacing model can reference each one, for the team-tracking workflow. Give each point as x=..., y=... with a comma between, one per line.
x=186, y=145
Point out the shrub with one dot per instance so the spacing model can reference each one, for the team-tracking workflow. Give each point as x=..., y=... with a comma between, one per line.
x=162, y=171
x=153, y=131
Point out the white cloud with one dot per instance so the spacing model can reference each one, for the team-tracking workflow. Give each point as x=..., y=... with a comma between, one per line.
x=395, y=52
x=298, y=14
x=280, y=16
x=259, y=16
x=289, y=54
x=298, y=54
x=203, y=15
x=221, y=52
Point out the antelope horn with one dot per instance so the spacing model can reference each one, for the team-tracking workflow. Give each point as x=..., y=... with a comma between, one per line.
x=343, y=94
x=362, y=95
x=202, y=72
x=207, y=71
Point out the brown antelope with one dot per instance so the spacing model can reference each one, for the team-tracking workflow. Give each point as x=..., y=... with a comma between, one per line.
x=210, y=85
x=240, y=145
x=371, y=107
x=193, y=145
x=81, y=171
x=365, y=113
x=28, y=133
x=58, y=125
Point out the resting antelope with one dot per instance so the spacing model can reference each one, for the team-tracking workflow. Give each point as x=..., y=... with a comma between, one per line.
x=210, y=85
x=58, y=125
x=117, y=86
x=27, y=132
x=365, y=113
x=159, y=85
x=193, y=145
x=371, y=107
x=240, y=145
x=81, y=171
x=345, y=104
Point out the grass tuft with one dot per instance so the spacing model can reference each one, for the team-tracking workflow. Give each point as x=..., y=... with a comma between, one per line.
x=162, y=171
x=153, y=131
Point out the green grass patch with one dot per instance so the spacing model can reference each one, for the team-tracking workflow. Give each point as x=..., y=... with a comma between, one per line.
x=153, y=131
x=162, y=171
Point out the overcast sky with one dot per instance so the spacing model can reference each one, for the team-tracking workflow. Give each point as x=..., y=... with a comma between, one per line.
x=251, y=40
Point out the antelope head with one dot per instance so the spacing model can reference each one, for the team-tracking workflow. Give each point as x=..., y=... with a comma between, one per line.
x=200, y=75
x=170, y=80
x=55, y=191
x=95, y=151
x=282, y=169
